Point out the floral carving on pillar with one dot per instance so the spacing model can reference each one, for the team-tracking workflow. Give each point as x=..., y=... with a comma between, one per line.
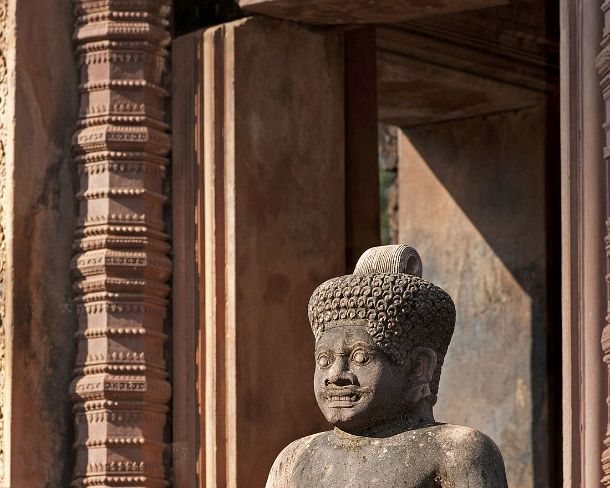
x=121, y=262
x=603, y=65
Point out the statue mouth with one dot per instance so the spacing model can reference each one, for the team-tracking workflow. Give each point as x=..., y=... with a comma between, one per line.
x=343, y=396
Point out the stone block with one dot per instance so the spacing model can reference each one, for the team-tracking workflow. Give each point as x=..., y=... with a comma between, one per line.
x=467, y=64
x=359, y=11
x=38, y=113
x=472, y=200
x=274, y=227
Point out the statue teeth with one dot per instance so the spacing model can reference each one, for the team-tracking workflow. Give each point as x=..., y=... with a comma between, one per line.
x=350, y=398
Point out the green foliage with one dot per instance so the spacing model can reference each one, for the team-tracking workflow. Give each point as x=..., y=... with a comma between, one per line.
x=386, y=180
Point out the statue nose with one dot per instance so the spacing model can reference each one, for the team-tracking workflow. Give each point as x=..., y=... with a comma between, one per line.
x=344, y=382
x=340, y=375
x=344, y=379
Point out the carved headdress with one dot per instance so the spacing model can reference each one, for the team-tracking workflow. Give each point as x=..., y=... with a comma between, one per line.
x=387, y=295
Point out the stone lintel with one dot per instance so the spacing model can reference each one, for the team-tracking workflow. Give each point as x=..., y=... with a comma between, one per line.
x=359, y=11
x=466, y=64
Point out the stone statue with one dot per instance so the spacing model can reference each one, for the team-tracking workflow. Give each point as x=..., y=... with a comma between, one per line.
x=381, y=337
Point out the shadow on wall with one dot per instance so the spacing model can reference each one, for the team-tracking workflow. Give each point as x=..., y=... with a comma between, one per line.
x=190, y=16
x=473, y=201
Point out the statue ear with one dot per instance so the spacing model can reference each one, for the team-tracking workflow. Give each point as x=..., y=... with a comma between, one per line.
x=423, y=364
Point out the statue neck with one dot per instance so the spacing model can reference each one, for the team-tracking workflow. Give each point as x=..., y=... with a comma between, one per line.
x=419, y=415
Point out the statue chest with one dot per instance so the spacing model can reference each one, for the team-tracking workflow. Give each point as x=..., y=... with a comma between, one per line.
x=328, y=465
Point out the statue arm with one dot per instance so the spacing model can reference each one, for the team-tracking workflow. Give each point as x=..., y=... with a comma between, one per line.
x=281, y=473
x=482, y=465
x=278, y=474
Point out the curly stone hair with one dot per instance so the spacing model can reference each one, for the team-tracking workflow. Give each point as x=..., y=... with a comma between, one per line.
x=400, y=312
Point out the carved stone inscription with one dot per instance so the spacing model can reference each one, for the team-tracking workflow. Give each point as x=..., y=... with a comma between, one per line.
x=121, y=263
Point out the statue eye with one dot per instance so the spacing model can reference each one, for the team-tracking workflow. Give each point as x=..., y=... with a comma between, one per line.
x=360, y=357
x=323, y=360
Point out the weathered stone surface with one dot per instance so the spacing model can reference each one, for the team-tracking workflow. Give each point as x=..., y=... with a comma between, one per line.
x=273, y=226
x=186, y=300
x=39, y=113
x=473, y=201
x=381, y=337
x=467, y=64
x=414, y=91
x=407, y=459
x=121, y=265
x=359, y=11
x=5, y=122
x=584, y=209
x=603, y=65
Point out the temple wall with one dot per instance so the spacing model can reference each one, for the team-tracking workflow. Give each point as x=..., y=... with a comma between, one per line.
x=5, y=117
x=39, y=107
x=472, y=200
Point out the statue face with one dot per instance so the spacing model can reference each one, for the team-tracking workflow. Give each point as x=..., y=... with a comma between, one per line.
x=356, y=384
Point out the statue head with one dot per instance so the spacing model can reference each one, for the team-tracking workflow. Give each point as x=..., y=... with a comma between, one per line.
x=381, y=337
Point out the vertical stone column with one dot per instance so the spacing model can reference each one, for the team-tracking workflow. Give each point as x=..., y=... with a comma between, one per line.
x=39, y=104
x=583, y=214
x=4, y=122
x=121, y=391
x=273, y=226
x=262, y=125
x=603, y=65
x=277, y=125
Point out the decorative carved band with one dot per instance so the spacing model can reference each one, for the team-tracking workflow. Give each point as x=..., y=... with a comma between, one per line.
x=121, y=265
x=603, y=66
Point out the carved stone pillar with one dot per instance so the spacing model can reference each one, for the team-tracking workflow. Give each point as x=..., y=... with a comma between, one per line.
x=121, y=266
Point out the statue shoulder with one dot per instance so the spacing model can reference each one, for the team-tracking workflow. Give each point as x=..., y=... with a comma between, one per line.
x=467, y=439
x=471, y=457
x=283, y=467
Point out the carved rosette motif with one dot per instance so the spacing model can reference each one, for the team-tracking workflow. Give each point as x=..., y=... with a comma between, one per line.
x=121, y=263
x=603, y=65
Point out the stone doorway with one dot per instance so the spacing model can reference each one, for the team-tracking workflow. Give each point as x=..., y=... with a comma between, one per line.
x=473, y=105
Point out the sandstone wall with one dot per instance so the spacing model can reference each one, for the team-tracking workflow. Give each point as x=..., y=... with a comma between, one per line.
x=38, y=203
x=473, y=201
